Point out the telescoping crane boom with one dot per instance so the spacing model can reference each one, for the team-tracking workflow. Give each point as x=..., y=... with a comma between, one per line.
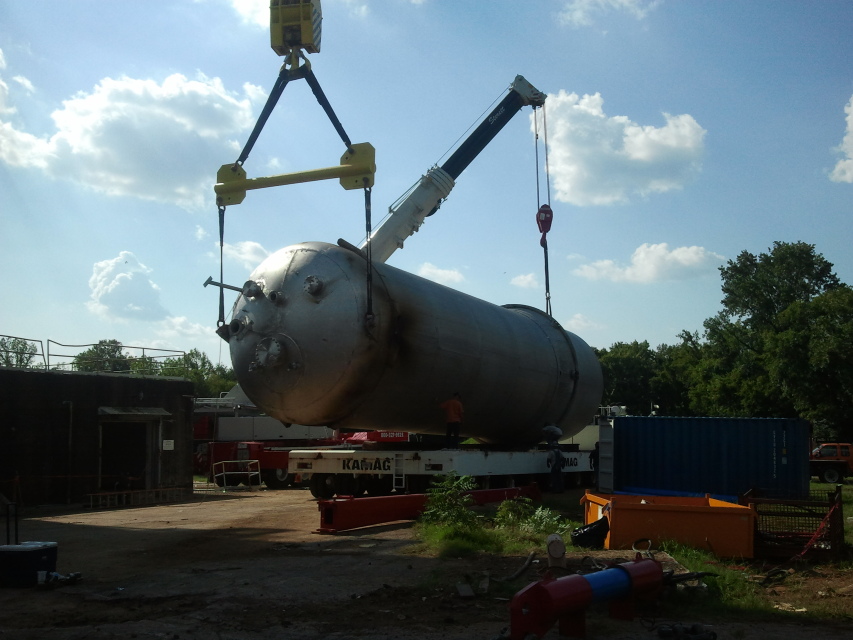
x=435, y=186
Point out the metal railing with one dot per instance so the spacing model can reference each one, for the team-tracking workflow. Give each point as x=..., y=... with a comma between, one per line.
x=131, y=360
x=233, y=473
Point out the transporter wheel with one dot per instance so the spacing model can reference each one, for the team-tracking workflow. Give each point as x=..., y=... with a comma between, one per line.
x=379, y=485
x=831, y=475
x=276, y=478
x=522, y=480
x=418, y=484
x=323, y=486
x=573, y=479
x=349, y=485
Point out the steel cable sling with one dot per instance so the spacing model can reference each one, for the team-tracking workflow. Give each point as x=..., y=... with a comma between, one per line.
x=544, y=214
x=285, y=75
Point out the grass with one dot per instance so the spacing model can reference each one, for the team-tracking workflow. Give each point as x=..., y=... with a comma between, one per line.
x=742, y=589
x=450, y=528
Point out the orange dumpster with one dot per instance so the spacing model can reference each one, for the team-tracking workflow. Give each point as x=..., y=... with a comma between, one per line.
x=725, y=529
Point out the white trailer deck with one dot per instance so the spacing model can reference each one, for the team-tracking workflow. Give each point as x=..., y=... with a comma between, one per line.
x=380, y=471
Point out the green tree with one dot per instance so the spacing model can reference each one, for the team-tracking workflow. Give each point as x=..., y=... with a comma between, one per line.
x=675, y=369
x=775, y=349
x=17, y=352
x=209, y=380
x=222, y=379
x=144, y=365
x=810, y=359
x=628, y=369
x=756, y=289
x=107, y=355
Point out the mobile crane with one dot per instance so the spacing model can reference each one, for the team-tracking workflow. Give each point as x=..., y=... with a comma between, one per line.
x=330, y=335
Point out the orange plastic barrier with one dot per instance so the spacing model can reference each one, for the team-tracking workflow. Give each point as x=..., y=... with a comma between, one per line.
x=725, y=529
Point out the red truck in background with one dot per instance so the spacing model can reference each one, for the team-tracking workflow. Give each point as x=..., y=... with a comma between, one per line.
x=229, y=431
x=235, y=444
x=235, y=462
x=832, y=461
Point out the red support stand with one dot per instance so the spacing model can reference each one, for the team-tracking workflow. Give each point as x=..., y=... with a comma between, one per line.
x=343, y=514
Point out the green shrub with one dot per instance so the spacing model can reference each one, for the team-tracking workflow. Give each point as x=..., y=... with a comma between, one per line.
x=520, y=514
x=448, y=504
x=451, y=529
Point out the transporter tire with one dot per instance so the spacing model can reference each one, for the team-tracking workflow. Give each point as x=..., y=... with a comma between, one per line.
x=276, y=478
x=831, y=475
x=349, y=485
x=418, y=484
x=323, y=486
x=379, y=485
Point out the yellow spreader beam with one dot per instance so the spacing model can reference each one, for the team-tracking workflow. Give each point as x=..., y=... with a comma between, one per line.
x=355, y=168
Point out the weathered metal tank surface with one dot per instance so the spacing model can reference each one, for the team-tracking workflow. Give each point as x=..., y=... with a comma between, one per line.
x=304, y=350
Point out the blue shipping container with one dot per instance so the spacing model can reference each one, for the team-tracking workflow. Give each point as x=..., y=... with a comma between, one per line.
x=722, y=456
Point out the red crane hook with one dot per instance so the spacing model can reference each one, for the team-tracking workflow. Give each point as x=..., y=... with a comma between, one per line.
x=544, y=217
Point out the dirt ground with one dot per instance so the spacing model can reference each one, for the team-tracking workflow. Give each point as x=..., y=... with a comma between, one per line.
x=248, y=565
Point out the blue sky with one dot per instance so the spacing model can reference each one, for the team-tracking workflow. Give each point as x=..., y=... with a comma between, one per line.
x=680, y=134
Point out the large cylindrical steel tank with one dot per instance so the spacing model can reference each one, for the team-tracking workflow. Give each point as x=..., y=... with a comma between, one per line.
x=306, y=351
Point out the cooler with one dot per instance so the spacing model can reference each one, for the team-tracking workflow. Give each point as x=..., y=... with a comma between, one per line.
x=20, y=563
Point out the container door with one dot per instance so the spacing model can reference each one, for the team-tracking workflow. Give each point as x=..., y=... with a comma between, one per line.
x=605, y=457
x=124, y=456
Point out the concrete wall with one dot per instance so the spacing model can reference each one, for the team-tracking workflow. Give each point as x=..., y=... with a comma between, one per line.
x=64, y=435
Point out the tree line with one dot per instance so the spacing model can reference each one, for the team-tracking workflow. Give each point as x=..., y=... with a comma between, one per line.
x=782, y=346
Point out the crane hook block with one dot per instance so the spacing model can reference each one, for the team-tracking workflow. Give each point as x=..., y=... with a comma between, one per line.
x=295, y=24
x=544, y=217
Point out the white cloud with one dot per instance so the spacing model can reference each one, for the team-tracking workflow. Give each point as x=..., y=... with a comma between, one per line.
x=843, y=171
x=177, y=329
x=200, y=232
x=249, y=254
x=360, y=8
x=137, y=138
x=653, y=263
x=121, y=290
x=4, y=90
x=4, y=108
x=579, y=324
x=256, y=12
x=527, y=281
x=442, y=276
x=598, y=159
x=580, y=13
x=25, y=83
